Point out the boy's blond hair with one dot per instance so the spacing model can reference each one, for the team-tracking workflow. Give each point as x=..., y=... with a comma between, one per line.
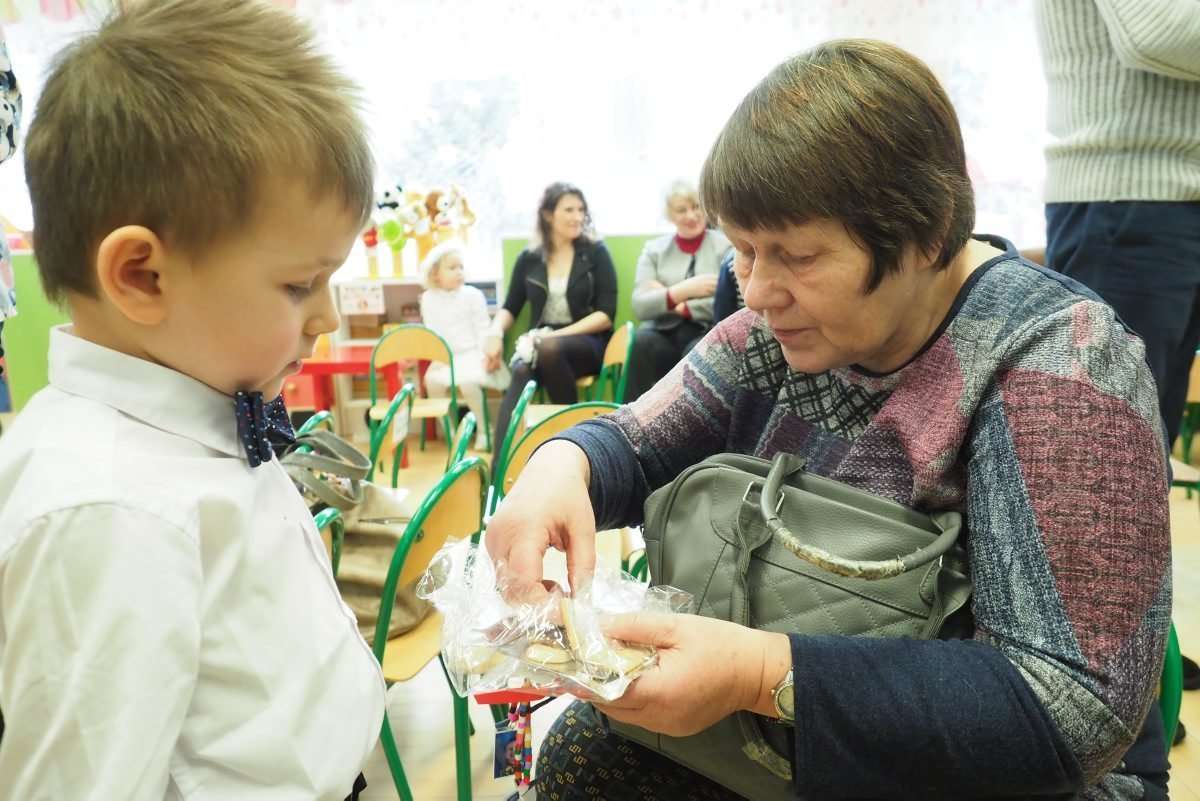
x=173, y=115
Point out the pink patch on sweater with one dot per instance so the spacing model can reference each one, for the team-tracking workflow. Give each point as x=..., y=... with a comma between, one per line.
x=1094, y=474
x=923, y=412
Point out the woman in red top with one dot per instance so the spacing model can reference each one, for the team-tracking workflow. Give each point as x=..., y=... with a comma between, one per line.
x=676, y=279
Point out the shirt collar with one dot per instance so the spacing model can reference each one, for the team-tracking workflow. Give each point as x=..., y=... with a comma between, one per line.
x=158, y=396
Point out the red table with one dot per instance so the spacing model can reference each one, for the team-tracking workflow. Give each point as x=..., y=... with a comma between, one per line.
x=345, y=360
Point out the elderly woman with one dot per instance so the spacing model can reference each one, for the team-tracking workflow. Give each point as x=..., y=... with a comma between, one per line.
x=676, y=279
x=907, y=357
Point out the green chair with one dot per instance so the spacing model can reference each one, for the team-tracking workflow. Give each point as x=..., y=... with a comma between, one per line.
x=409, y=343
x=1170, y=688
x=393, y=423
x=516, y=426
x=617, y=357
x=321, y=418
x=614, y=370
x=487, y=420
x=536, y=435
x=331, y=518
x=1191, y=412
x=639, y=567
x=462, y=440
x=452, y=510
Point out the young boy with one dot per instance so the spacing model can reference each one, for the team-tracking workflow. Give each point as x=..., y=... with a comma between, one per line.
x=169, y=625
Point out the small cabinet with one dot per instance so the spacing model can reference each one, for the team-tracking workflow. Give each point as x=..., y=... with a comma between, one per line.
x=298, y=393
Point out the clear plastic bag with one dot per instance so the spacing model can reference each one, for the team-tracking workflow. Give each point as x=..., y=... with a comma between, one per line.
x=555, y=647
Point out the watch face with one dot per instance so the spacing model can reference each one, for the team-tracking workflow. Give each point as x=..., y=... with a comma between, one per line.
x=785, y=699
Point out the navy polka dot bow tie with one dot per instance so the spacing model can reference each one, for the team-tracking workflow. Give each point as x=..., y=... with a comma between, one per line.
x=261, y=425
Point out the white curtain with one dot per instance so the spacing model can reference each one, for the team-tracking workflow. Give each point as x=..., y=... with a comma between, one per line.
x=622, y=96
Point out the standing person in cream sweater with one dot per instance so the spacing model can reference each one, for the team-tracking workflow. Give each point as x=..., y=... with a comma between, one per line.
x=1123, y=173
x=1123, y=169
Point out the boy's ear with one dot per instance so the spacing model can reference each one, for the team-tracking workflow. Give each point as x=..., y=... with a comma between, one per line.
x=130, y=266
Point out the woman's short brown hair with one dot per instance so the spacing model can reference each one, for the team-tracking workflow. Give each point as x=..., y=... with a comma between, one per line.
x=854, y=130
x=173, y=115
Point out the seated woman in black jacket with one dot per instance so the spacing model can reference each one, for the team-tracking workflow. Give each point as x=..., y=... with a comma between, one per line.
x=569, y=281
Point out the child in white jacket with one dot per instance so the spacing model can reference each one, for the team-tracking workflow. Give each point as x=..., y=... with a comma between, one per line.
x=458, y=313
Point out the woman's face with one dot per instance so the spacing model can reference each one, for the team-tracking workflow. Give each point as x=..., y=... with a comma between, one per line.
x=566, y=222
x=684, y=212
x=807, y=282
x=449, y=275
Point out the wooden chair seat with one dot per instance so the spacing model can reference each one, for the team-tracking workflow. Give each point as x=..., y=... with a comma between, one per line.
x=413, y=650
x=423, y=408
x=537, y=412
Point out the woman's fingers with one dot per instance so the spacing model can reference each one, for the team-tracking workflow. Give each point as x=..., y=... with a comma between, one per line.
x=643, y=628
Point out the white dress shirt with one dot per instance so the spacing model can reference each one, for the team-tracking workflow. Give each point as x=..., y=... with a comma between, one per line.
x=169, y=624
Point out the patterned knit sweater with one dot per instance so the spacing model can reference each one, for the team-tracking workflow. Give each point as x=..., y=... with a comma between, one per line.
x=1031, y=411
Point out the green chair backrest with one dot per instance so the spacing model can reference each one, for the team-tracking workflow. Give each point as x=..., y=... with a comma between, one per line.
x=415, y=342
x=463, y=436
x=616, y=358
x=556, y=423
x=381, y=431
x=625, y=251
x=516, y=426
x=332, y=519
x=452, y=510
x=1170, y=690
x=323, y=417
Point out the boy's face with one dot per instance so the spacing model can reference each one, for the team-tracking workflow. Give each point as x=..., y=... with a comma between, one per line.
x=243, y=313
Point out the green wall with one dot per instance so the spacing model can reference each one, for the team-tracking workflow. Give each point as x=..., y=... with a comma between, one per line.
x=27, y=336
x=625, y=251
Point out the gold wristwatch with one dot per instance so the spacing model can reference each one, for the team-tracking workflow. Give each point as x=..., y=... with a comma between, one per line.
x=784, y=697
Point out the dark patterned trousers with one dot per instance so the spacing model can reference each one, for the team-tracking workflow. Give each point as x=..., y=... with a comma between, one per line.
x=580, y=759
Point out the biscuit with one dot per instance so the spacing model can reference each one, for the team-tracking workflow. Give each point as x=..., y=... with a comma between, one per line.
x=620, y=661
x=548, y=654
x=567, y=608
x=479, y=659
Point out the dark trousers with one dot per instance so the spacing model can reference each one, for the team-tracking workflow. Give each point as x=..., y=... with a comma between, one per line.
x=581, y=760
x=561, y=361
x=1143, y=258
x=656, y=351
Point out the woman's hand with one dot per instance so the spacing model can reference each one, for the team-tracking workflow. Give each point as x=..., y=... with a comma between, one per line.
x=707, y=669
x=549, y=506
x=493, y=348
x=698, y=286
